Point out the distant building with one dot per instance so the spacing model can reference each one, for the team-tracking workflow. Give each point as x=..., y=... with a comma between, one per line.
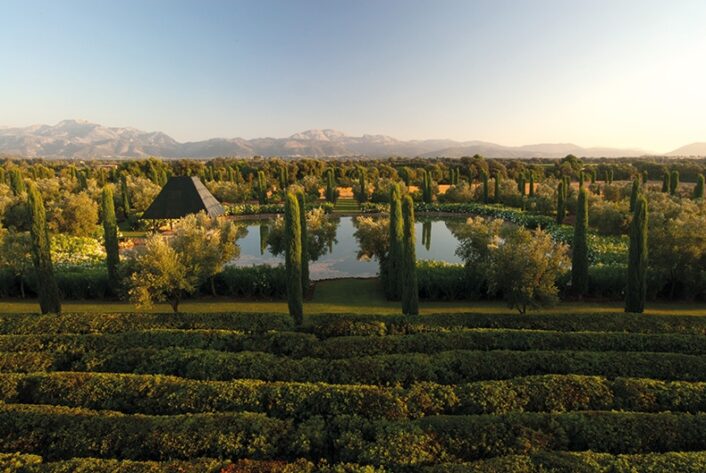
x=182, y=196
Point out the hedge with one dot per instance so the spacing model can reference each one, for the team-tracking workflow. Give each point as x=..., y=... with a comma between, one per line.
x=450, y=367
x=298, y=344
x=165, y=395
x=113, y=323
x=543, y=462
x=584, y=462
x=59, y=433
x=347, y=324
x=258, y=209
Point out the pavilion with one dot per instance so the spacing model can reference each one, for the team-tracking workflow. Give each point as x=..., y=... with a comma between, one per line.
x=182, y=196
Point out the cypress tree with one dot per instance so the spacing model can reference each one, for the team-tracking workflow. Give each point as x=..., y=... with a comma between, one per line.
x=283, y=178
x=17, y=183
x=636, y=292
x=666, y=184
x=496, y=196
x=521, y=185
x=674, y=182
x=301, y=200
x=592, y=174
x=579, y=258
x=582, y=179
x=606, y=176
x=82, y=180
x=330, y=186
x=261, y=188
x=699, y=188
x=560, y=203
x=363, y=194
x=47, y=288
x=645, y=177
x=396, y=235
x=531, y=184
x=293, y=258
x=110, y=235
x=634, y=193
x=485, y=188
x=426, y=187
x=410, y=292
x=264, y=233
x=3, y=177
x=610, y=176
x=125, y=196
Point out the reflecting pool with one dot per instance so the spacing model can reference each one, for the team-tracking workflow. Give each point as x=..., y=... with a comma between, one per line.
x=336, y=248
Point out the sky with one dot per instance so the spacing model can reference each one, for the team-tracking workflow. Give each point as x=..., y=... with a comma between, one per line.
x=620, y=73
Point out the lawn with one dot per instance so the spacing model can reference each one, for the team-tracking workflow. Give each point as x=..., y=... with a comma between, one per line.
x=348, y=296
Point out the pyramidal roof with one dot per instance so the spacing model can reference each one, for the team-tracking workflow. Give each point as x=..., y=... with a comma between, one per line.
x=181, y=196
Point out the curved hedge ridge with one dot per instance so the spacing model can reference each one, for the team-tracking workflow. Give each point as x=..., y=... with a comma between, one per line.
x=325, y=326
x=446, y=367
x=164, y=395
x=61, y=433
x=299, y=345
x=250, y=393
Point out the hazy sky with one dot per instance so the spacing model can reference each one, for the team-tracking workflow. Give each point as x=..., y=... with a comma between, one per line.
x=611, y=73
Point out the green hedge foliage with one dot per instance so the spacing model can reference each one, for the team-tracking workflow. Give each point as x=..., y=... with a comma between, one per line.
x=166, y=395
x=299, y=345
x=57, y=433
x=450, y=367
x=334, y=325
x=544, y=462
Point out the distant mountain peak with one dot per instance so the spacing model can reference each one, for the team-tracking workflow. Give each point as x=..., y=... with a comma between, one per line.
x=75, y=138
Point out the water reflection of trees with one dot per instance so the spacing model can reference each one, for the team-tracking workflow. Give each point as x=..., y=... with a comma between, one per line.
x=321, y=230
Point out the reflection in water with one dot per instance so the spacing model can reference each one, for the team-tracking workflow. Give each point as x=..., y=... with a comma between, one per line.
x=264, y=233
x=334, y=248
x=426, y=234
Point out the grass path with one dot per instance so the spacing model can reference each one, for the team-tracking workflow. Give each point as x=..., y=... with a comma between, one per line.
x=354, y=296
x=346, y=206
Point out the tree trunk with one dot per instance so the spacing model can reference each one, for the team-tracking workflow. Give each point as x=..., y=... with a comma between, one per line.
x=213, y=286
x=174, y=302
x=22, y=287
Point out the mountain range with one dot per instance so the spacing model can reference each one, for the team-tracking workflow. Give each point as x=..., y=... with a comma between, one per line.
x=78, y=139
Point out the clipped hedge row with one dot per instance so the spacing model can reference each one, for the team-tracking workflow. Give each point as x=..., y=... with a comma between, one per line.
x=450, y=367
x=18, y=463
x=163, y=395
x=584, y=462
x=256, y=209
x=298, y=344
x=113, y=323
x=543, y=462
x=58, y=433
x=333, y=325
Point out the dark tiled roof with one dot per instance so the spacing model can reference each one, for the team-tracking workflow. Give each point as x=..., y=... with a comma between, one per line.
x=181, y=196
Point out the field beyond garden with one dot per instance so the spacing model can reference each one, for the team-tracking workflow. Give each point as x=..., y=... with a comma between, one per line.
x=226, y=392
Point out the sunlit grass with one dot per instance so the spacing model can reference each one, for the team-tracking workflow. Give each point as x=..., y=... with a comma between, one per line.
x=351, y=296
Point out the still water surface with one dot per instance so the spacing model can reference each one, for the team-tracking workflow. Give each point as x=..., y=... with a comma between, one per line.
x=340, y=254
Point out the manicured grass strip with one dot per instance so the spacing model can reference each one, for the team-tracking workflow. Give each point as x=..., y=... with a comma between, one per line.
x=346, y=324
x=165, y=395
x=62, y=433
x=450, y=367
x=298, y=345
